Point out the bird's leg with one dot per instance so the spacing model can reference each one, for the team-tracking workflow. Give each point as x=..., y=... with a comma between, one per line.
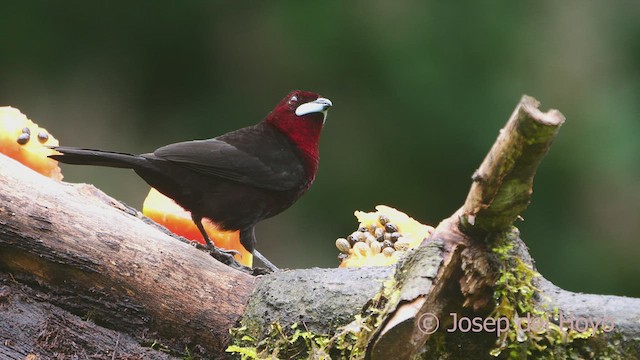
x=198, y=221
x=264, y=260
x=248, y=240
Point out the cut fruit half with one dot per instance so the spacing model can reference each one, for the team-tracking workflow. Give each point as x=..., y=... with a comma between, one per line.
x=167, y=213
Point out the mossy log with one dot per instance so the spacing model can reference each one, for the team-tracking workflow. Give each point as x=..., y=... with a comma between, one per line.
x=97, y=258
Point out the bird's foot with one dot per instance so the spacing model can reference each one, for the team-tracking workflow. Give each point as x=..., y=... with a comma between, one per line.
x=224, y=251
x=222, y=255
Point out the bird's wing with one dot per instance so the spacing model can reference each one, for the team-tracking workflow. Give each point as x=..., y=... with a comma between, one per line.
x=267, y=164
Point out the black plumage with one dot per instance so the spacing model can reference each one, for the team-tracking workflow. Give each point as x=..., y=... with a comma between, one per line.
x=236, y=179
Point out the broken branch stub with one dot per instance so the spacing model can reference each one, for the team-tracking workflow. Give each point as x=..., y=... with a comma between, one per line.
x=503, y=184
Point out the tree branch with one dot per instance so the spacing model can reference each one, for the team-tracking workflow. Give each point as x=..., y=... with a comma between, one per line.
x=462, y=246
x=503, y=184
x=99, y=259
x=89, y=255
x=96, y=256
x=31, y=328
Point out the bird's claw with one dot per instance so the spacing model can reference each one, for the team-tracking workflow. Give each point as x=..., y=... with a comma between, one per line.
x=223, y=255
x=224, y=251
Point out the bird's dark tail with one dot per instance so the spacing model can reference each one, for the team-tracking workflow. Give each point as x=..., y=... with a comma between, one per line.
x=71, y=155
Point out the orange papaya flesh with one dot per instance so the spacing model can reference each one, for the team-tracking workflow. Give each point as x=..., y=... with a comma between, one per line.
x=28, y=143
x=167, y=213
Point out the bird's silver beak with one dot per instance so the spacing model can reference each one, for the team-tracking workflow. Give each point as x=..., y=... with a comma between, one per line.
x=319, y=105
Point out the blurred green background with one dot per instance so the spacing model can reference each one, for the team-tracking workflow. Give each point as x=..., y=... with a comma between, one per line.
x=420, y=90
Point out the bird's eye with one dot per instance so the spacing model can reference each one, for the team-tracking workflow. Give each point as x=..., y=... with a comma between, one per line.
x=293, y=100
